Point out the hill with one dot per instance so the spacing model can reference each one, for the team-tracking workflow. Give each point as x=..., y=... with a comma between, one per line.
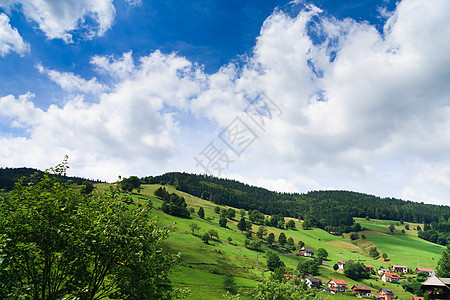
x=203, y=267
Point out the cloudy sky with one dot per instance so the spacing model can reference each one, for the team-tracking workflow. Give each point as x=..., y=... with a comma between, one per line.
x=288, y=95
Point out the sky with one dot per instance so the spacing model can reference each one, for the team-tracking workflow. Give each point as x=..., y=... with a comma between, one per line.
x=292, y=96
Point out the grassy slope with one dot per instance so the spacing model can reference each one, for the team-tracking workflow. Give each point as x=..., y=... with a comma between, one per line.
x=203, y=265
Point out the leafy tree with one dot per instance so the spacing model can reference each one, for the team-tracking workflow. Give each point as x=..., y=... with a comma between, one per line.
x=282, y=239
x=86, y=187
x=57, y=243
x=271, y=238
x=412, y=285
x=374, y=252
x=242, y=212
x=418, y=228
x=290, y=224
x=335, y=267
x=277, y=290
x=403, y=231
x=363, y=236
x=308, y=267
x=242, y=225
x=213, y=233
x=273, y=262
x=231, y=213
x=194, y=227
x=201, y=213
x=223, y=222
x=301, y=244
x=392, y=228
x=206, y=237
x=280, y=224
x=354, y=236
x=306, y=225
x=385, y=256
x=321, y=254
x=356, y=270
x=229, y=239
x=131, y=183
x=407, y=226
x=262, y=231
x=256, y=217
x=228, y=282
x=443, y=266
x=217, y=209
x=290, y=242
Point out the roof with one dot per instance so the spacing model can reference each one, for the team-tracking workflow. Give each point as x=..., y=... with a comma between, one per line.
x=417, y=298
x=368, y=266
x=424, y=270
x=437, y=281
x=312, y=279
x=306, y=249
x=397, y=266
x=338, y=281
x=392, y=275
x=387, y=291
x=361, y=288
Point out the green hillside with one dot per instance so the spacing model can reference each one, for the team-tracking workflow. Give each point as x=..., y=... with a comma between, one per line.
x=203, y=266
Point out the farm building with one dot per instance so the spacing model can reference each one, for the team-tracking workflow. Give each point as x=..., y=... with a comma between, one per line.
x=429, y=271
x=337, y=285
x=362, y=291
x=386, y=294
x=390, y=277
x=437, y=287
x=400, y=269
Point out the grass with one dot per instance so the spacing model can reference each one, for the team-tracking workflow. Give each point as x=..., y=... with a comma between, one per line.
x=203, y=266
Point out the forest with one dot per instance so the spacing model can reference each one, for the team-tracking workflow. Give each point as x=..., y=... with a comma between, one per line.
x=330, y=210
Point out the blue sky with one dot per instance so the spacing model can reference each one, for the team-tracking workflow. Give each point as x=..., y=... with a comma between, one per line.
x=328, y=94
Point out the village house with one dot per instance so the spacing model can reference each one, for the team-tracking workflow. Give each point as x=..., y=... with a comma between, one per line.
x=341, y=264
x=305, y=251
x=390, y=277
x=362, y=291
x=369, y=268
x=417, y=298
x=337, y=285
x=313, y=283
x=437, y=287
x=400, y=269
x=429, y=271
x=381, y=271
x=386, y=294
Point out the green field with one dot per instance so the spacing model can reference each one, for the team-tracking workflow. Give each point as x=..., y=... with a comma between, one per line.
x=202, y=266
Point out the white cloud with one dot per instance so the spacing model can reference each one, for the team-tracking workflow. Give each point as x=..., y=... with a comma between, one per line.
x=22, y=110
x=10, y=39
x=59, y=19
x=362, y=110
x=73, y=83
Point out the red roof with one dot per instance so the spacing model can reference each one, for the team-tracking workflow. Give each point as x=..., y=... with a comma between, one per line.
x=392, y=275
x=369, y=266
x=338, y=281
x=424, y=270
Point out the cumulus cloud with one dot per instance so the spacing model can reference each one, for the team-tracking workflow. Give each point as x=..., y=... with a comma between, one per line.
x=59, y=19
x=361, y=110
x=10, y=39
x=73, y=83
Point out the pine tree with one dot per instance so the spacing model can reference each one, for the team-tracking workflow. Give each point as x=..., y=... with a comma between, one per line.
x=443, y=266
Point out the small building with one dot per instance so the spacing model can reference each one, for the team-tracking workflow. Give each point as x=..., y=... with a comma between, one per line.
x=400, y=269
x=390, y=277
x=429, y=271
x=381, y=271
x=341, y=264
x=305, y=251
x=337, y=285
x=386, y=294
x=313, y=283
x=369, y=268
x=417, y=298
x=437, y=287
x=362, y=291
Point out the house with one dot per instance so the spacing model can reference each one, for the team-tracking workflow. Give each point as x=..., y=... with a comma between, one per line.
x=337, y=285
x=312, y=282
x=341, y=264
x=390, y=277
x=417, y=298
x=429, y=271
x=369, y=268
x=386, y=294
x=362, y=291
x=305, y=251
x=437, y=287
x=400, y=269
x=381, y=271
